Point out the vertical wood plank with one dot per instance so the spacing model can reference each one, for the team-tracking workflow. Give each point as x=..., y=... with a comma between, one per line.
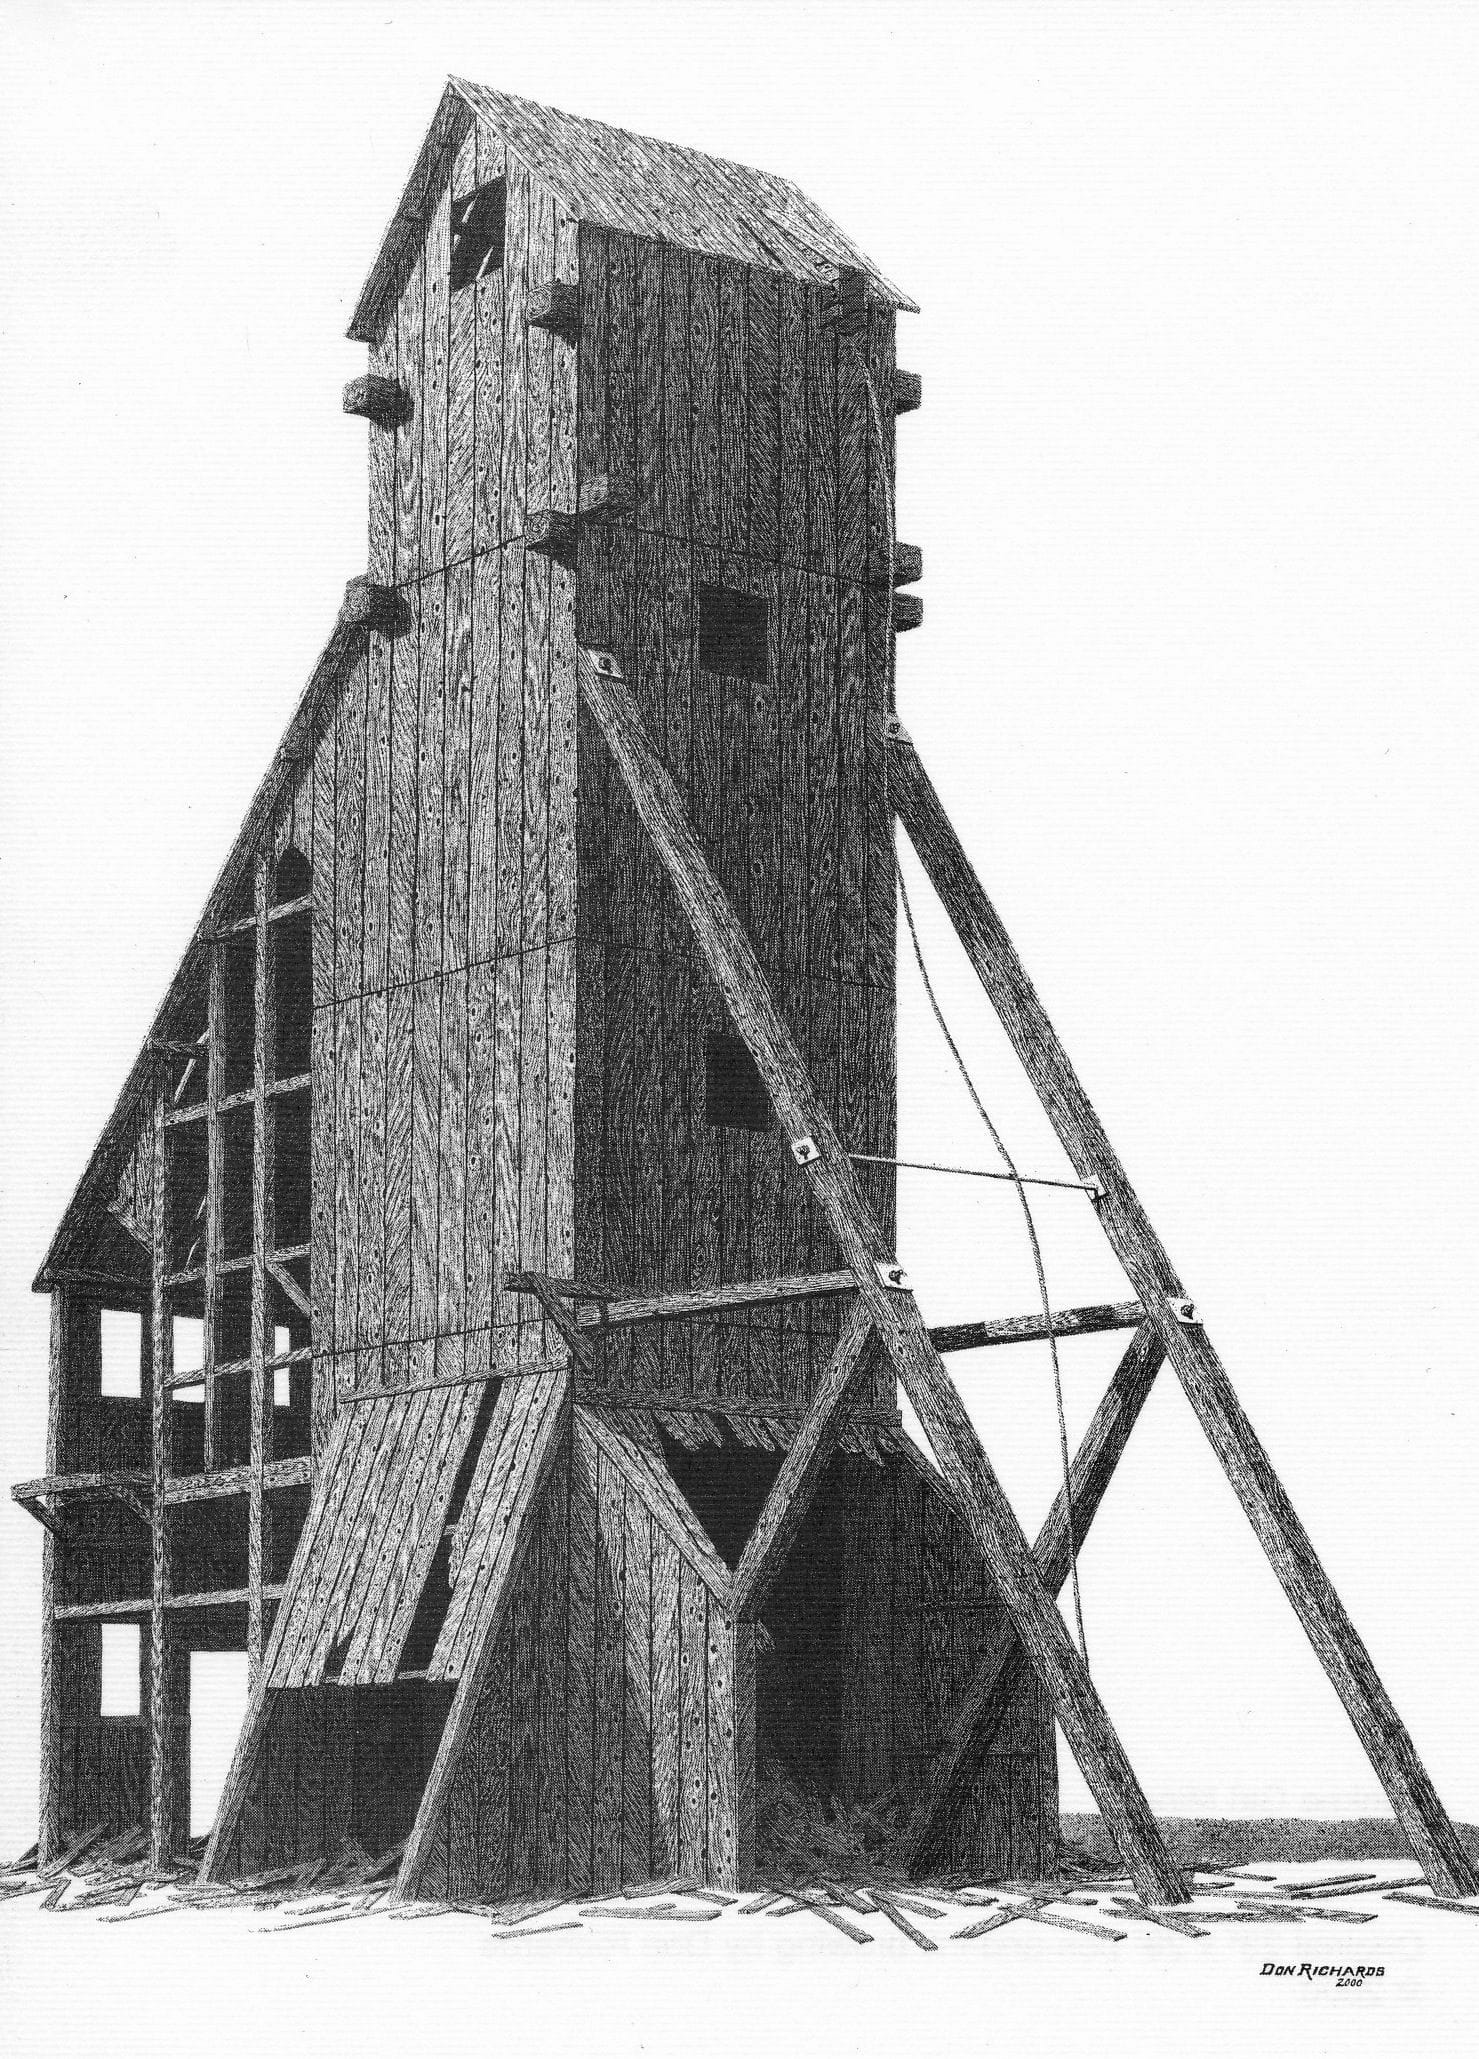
x=399, y=1101
x=539, y=269
x=821, y=437
x=636, y=1858
x=434, y=381
x=734, y=426
x=723, y=1782
x=456, y=772
x=452, y=1158
x=677, y=416
x=762, y=375
x=510, y=898
x=693, y=1771
x=554, y=1578
x=524, y=1699
x=430, y=775
x=650, y=427
x=482, y=802
x=481, y=1160
x=621, y=376
x=461, y=377
x=488, y=299
x=347, y=1152
x=795, y=490
x=704, y=377
x=533, y=1107
x=852, y=813
x=405, y=754
x=515, y=356
x=565, y=400
x=373, y=1129
x=822, y=795
x=425, y=1141
x=666, y=1708
x=506, y=1135
x=409, y=354
x=381, y=539
x=376, y=922
x=580, y=1649
x=536, y=749
x=593, y=352
x=609, y=1684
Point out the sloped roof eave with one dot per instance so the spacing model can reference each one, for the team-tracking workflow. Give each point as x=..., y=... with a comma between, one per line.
x=772, y=213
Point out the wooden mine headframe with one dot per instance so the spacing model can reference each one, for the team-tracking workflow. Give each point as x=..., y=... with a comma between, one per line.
x=525, y=1106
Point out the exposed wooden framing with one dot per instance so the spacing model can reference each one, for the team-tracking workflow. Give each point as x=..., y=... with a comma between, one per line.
x=997, y=1681
x=163, y=1768
x=733, y=965
x=791, y=1493
x=237, y=1480
x=616, y=1310
x=503, y=1568
x=1435, y=1842
x=263, y=1239
x=215, y=1178
x=290, y=1287
x=49, y=1817
x=649, y=1479
x=1027, y=1329
x=537, y=1285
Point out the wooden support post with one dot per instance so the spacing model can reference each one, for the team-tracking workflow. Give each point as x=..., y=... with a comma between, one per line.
x=806, y=1460
x=49, y=1818
x=163, y=1686
x=215, y=1190
x=1435, y=1842
x=895, y=1315
x=1024, y=1329
x=994, y=1685
x=259, y=1538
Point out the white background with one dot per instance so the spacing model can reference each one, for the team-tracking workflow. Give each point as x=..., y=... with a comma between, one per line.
x=1195, y=484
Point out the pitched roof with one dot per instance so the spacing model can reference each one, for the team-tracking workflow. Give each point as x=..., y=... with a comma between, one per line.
x=611, y=178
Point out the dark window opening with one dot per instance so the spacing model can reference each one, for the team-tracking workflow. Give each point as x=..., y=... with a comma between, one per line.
x=477, y=234
x=292, y=986
x=293, y=877
x=734, y=1093
x=734, y=632
x=800, y=1679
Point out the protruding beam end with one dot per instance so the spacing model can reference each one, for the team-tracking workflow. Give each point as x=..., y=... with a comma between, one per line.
x=908, y=392
x=385, y=402
x=556, y=306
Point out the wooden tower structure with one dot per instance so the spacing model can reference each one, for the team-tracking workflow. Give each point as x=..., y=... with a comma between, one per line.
x=502, y=1197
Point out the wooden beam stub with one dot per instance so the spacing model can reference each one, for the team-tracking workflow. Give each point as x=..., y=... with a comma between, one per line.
x=385, y=402
x=1025, y=1329
x=369, y=606
x=606, y=497
x=908, y=392
x=908, y=611
x=553, y=531
x=908, y=566
x=555, y=306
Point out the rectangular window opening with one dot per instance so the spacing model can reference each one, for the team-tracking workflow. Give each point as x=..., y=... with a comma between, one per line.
x=123, y=1338
x=120, y=1671
x=189, y=1335
x=477, y=234
x=734, y=1093
x=734, y=633
x=218, y=1706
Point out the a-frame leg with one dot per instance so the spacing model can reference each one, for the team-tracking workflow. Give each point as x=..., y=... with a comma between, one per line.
x=1434, y=1841
x=894, y=1313
x=993, y=1686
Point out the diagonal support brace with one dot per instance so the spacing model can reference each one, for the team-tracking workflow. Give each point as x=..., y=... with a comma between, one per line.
x=1414, y=1799
x=895, y=1314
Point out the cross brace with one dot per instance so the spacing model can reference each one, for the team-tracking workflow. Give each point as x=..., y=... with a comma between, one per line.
x=892, y=1310
x=1435, y=1842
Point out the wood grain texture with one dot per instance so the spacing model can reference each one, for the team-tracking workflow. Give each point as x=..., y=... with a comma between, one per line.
x=956, y=1446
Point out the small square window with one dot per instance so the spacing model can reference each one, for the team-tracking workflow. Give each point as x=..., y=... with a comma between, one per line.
x=734, y=1093
x=122, y=1353
x=120, y=1670
x=477, y=234
x=734, y=632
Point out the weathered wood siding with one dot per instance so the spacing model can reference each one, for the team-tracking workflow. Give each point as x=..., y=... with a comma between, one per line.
x=614, y=1736
x=919, y=1613
x=741, y=425
x=443, y=796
